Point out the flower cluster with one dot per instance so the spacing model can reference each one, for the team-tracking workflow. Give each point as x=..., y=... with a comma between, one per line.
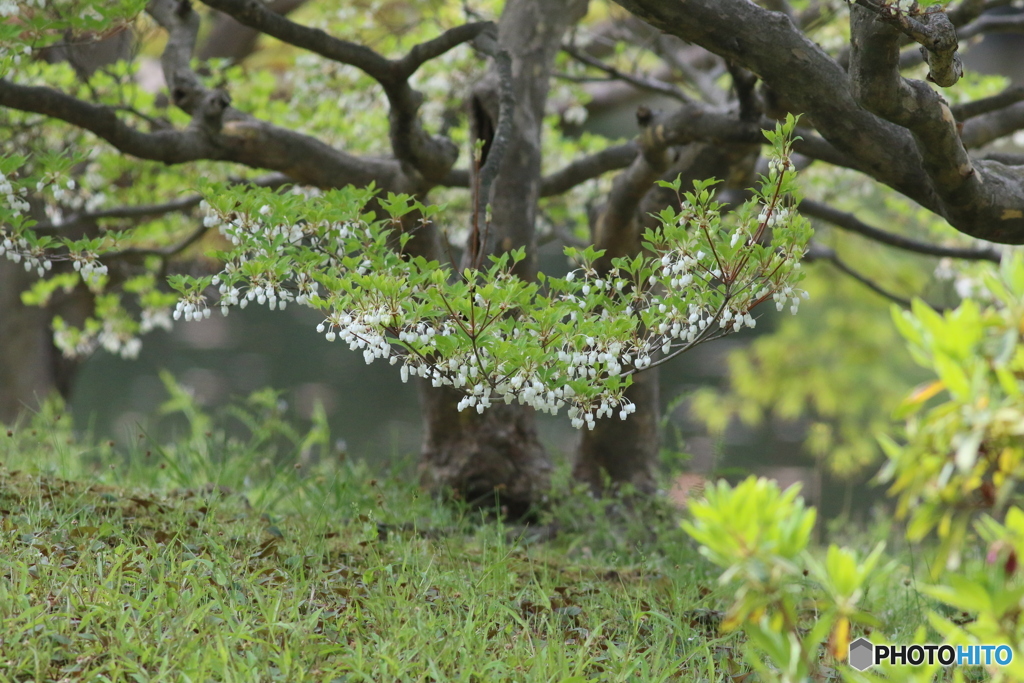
x=14, y=195
x=88, y=265
x=112, y=335
x=18, y=250
x=573, y=343
x=192, y=308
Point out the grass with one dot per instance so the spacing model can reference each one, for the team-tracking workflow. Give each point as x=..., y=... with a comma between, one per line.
x=256, y=555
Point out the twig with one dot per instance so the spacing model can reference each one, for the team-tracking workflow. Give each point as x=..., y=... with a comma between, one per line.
x=651, y=84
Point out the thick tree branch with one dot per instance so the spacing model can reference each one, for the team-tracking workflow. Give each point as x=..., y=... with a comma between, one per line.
x=435, y=47
x=933, y=31
x=851, y=223
x=589, y=167
x=984, y=199
x=430, y=156
x=768, y=44
x=496, y=154
x=256, y=15
x=531, y=32
x=983, y=129
x=243, y=140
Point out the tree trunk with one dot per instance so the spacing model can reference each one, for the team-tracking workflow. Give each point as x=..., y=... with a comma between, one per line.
x=489, y=459
x=498, y=454
x=31, y=368
x=618, y=451
x=26, y=373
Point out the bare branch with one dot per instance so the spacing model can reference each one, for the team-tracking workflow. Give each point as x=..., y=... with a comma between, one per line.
x=1008, y=158
x=819, y=252
x=641, y=82
x=993, y=23
x=770, y=45
x=983, y=129
x=255, y=14
x=496, y=153
x=435, y=47
x=183, y=204
x=986, y=105
x=172, y=147
x=851, y=223
x=983, y=199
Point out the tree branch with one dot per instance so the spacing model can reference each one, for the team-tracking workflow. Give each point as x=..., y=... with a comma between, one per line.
x=933, y=31
x=431, y=156
x=988, y=105
x=589, y=167
x=255, y=14
x=819, y=252
x=851, y=223
x=243, y=140
x=770, y=45
x=983, y=129
x=643, y=83
x=496, y=154
x=183, y=204
x=993, y=23
x=984, y=199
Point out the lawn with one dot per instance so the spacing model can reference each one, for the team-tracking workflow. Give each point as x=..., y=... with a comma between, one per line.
x=211, y=556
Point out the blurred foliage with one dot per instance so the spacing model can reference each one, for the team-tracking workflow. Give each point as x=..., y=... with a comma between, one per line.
x=958, y=461
x=837, y=368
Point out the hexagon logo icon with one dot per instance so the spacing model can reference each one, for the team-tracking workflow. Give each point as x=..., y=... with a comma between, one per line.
x=862, y=654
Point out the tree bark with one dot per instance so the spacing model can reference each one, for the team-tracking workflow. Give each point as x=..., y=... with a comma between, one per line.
x=617, y=452
x=493, y=459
